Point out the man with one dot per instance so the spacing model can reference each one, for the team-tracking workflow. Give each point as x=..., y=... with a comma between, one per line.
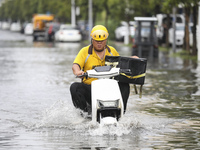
x=89, y=57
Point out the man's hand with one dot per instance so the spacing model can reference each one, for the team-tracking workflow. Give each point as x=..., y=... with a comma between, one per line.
x=78, y=73
x=76, y=70
x=134, y=56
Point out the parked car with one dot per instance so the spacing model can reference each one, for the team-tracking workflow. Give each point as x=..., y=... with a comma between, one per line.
x=51, y=30
x=68, y=33
x=122, y=30
x=15, y=26
x=162, y=23
x=180, y=34
x=23, y=27
x=5, y=25
x=28, y=30
x=84, y=28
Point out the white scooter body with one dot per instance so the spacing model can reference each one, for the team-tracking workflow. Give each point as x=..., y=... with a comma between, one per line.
x=107, y=103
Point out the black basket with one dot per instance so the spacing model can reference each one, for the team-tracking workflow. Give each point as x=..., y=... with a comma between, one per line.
x=137, y=67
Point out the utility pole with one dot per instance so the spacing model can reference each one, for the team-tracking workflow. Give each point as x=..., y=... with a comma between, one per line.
x=73, y=13
x=126, y=37
x=90, y=20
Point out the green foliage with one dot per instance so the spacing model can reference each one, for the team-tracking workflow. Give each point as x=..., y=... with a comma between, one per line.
x=106, y=12
x=24, y=9
x=115, y=10
x=164, y=49
x=185, y=55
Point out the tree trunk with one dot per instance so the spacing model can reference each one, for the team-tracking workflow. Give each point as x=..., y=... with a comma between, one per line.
x=107, y=12
x=187, y=39
x=194, y=29
x=167, y=31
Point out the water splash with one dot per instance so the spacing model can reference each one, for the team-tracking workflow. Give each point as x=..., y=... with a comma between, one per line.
x=125, y=126
x=63, y=115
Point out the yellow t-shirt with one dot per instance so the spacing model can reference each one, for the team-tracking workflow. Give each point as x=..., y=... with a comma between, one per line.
x=93, y=60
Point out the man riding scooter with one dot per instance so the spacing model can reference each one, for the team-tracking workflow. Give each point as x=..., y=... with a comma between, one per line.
x=88, y=58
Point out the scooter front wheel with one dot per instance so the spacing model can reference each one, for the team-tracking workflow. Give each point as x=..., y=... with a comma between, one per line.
x=108, y=112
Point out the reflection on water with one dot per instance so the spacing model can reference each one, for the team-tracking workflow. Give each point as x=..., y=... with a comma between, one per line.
x=36, y=109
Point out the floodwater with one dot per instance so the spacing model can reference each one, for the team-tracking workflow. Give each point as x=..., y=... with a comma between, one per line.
x=36, y=112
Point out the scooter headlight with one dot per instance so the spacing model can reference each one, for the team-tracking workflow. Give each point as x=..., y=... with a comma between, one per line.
x=113, y=103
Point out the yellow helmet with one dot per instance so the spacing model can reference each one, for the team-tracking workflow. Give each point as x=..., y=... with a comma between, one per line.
x=99, y=33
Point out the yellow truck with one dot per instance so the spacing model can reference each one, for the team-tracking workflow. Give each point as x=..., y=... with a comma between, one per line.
x=40, y=22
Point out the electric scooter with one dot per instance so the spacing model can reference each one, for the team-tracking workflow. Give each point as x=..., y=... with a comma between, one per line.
x=107, y=103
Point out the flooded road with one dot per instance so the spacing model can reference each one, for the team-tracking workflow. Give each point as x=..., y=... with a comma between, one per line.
x=36, y=111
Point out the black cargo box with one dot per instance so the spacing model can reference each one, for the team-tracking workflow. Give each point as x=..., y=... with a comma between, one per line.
x=137, y=67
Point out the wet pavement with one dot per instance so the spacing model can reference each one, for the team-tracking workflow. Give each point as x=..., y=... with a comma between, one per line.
x=36, y=111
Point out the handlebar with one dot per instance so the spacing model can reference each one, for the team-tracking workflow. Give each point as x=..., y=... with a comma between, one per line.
x=83, y=75
x=86, y=74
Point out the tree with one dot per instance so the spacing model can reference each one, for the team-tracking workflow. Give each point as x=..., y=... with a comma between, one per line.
x=194, y=10
x=191, y=6
x=107, y=12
